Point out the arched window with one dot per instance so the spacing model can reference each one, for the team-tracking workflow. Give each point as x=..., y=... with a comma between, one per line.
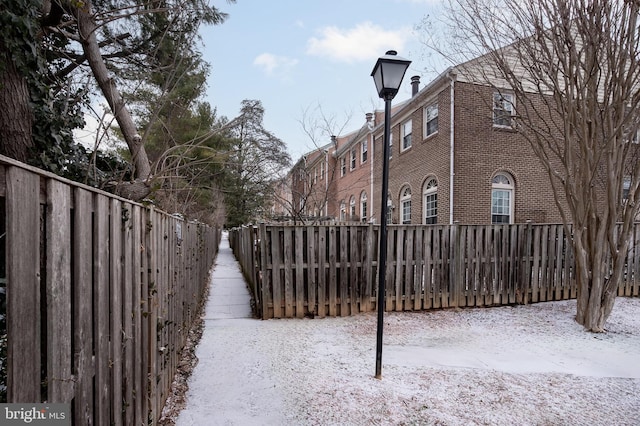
x=363, y=206
x=389, y=209
x=352, y=207
x=502, y=199
x=343, y=211
x=405, y=205
x=430, y=198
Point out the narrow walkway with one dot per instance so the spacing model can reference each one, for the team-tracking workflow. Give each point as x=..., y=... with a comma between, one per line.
x=228, y=296
x=223, y=389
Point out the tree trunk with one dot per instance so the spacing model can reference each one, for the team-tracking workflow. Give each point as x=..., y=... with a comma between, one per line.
x=88, y=28
x=597, y=286
x=15, y=114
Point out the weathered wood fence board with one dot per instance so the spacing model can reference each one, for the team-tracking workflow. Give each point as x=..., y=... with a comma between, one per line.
x=333, y=270
x=100, y=291
x=23, y=302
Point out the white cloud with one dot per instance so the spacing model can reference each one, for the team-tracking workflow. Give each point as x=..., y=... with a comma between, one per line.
x=364, y=42
x=274, y=65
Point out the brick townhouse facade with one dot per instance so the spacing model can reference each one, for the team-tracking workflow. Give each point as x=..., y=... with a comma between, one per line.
x=454, y=157
x=334, y=181
x=470, y=167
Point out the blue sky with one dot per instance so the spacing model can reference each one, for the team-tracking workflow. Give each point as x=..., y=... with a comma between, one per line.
x=314, y=56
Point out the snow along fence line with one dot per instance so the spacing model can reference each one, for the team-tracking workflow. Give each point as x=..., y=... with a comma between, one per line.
x=298, y=271
x=100, y=294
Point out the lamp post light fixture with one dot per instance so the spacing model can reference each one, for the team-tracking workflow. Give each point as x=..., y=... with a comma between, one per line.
x=387, y=75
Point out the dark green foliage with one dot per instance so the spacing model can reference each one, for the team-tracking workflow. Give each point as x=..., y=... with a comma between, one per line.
x=56, y=107
x=257, y=159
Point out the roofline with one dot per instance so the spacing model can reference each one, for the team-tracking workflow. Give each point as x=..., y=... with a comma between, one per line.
x=433, y=83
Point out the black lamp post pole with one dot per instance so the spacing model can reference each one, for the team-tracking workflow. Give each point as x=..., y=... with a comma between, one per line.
x=387, y=75
x=382, y=261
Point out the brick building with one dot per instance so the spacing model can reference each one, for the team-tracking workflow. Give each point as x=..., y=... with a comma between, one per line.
x=335, y=181
x=454, y=157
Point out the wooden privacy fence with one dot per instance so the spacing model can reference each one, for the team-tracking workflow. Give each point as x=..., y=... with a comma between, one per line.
x=100, y=295
x=297, y=271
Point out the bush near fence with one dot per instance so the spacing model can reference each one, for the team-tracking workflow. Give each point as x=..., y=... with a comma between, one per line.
x=298, y=271
x=100, y=295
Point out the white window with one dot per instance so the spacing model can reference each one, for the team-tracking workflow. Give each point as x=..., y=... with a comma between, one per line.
x=343, y=166
x=364, y=151
x=322, y=170
x=406, y=135
x=626, y=187
x=502, y=199
x=391, y=145
x=352, y=207
x=389, y=209
x=503, y=109
x=315, y=175
x=353, y=159
x=405, y=205
x=430, y=120
x=363, y=206
x=430, y=196
x=343, y=211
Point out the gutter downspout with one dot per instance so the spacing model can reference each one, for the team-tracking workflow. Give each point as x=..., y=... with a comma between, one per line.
x=451, y=147
x=371, y=203
x=326, y=183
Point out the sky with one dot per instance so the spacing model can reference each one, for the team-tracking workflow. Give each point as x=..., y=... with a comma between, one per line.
x=310, y=61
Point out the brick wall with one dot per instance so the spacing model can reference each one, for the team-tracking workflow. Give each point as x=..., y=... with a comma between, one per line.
x=481, y=150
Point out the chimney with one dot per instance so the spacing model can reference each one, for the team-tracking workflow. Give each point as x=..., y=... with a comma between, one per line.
x=415, y=82
x=369, y=116
x=334, y=140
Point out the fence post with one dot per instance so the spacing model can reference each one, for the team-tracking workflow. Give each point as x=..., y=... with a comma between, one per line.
x=262, y=284
x=454, y=272
x=525, y=279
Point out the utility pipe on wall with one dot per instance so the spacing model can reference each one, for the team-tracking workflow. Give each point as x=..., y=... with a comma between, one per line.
x=451, y=146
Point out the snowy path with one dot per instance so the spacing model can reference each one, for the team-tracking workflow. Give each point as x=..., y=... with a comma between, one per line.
x=229, y=386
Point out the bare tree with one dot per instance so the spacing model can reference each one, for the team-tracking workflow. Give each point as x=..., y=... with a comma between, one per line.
x=310, y=184
x=48, y=50
x=572, y=66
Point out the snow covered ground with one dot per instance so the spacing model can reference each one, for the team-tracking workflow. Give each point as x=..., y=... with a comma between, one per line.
x=524, y=365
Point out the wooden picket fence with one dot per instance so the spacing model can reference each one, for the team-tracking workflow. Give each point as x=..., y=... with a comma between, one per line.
x=298, y=271
x=100, y=295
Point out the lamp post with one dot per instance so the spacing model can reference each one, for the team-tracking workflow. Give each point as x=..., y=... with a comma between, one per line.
x=387, y=75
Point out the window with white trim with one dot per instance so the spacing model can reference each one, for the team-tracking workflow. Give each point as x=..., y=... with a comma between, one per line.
x=430, y=197
x=364, y=151
x=626, y=187
x=389, y=209
x=352, y=207
x=343, y=211
x=406, y=135
x=502, y=199
x=353, y=158
x=430, y=120
x=363, y=206
x=343, y=166
x=381, y=139
x=503, y=109
x=322, y=170
x=405, y=206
